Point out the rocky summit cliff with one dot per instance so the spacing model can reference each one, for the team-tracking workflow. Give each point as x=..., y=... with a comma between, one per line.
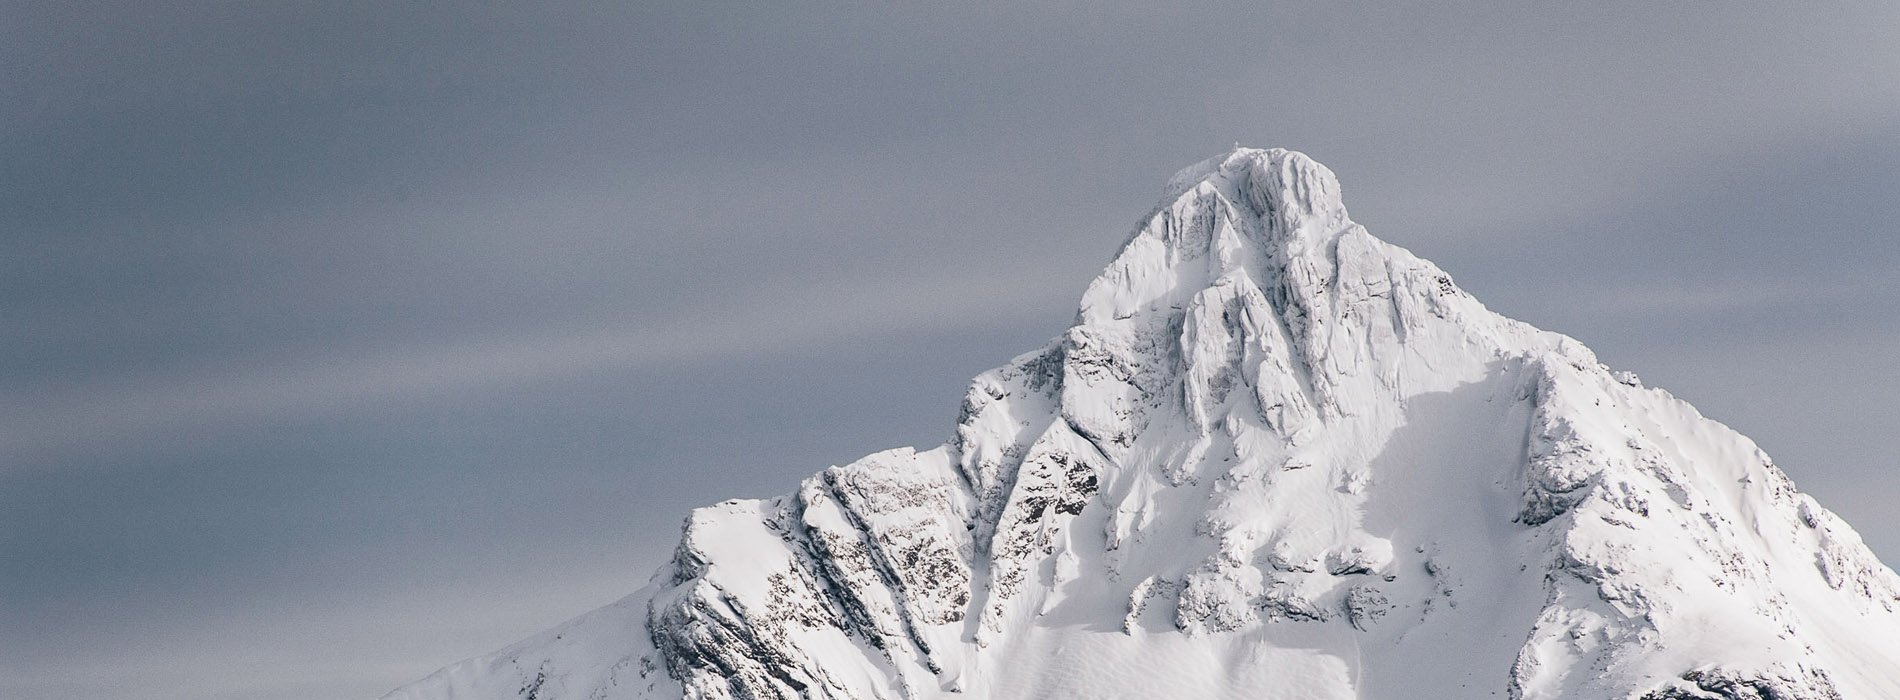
x=1274, y=457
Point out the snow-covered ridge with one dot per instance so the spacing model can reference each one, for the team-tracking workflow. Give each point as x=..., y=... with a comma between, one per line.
x=1274, y=457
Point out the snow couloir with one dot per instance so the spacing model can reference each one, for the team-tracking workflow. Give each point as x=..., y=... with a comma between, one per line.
x=1274, y=457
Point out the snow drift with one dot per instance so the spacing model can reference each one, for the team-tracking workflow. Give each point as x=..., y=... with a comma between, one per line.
x=1274, y=457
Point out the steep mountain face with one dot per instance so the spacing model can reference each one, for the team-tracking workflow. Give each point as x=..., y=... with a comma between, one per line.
x=1274, y=457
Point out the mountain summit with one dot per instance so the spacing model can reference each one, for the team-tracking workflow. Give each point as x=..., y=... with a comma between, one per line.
x=1274, y=457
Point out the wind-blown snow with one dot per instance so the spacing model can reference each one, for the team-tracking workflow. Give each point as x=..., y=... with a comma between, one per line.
x=1275, y=457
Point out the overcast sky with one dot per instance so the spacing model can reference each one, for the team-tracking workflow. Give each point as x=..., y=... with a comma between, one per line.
x=342, y=342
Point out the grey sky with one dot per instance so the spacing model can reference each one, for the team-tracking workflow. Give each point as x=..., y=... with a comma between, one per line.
x=338, y=343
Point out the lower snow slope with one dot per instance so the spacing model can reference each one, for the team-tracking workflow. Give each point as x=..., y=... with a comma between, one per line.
x=1275, y=457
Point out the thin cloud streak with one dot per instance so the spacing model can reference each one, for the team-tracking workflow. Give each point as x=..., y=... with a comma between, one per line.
x=116, y=417
x=326, y=653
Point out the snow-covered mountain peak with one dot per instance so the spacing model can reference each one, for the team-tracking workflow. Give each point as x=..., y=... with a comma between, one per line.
x=1277, y=198
x=1273, y=457
x=1237, y=167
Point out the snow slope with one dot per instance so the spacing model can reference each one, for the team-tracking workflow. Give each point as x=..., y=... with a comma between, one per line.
x=1274, y=457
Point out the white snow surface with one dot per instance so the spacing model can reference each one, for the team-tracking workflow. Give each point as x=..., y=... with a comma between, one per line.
x=1274, y=457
